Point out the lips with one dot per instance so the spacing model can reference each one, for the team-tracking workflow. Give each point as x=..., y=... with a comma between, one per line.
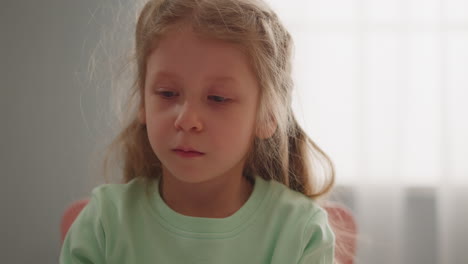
x=187, y=152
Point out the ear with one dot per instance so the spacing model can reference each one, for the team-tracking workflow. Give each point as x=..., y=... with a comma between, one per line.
x=267, y=130
x=142, y=115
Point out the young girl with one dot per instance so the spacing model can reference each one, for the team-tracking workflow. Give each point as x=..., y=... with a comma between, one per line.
x=216, y=167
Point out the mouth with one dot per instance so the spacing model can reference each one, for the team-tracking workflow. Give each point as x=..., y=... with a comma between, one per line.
x=188, y=152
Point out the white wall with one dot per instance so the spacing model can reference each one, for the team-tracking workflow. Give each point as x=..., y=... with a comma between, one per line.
x=45, y=145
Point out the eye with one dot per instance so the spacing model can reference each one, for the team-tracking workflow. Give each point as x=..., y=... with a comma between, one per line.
x=218, y=99
x=167, y=94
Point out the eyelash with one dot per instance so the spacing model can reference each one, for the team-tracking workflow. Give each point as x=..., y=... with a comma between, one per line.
x=216, y=98
x=167, y=95
x=164, y=94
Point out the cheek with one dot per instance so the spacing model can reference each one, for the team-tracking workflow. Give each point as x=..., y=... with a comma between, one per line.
x=157, y=127
x=237, y=129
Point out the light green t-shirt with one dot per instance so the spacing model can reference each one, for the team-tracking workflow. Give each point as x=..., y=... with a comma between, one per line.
x=121, y=224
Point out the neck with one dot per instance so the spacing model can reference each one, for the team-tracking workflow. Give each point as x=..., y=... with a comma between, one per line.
x=218, y=198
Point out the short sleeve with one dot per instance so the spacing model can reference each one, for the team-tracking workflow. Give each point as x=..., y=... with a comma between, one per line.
x=85, y=240
x=319, y=241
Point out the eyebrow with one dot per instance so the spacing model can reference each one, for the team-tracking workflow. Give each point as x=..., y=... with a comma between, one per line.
x=165, y=74
x=214, y=78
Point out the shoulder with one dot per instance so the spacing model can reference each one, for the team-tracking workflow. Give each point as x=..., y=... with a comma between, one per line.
x=118, y=192
x=296, y=204
x=111, y=200
x=91, y=234
x=304, y=220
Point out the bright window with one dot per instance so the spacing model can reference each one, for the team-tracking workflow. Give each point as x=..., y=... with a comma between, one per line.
x=383, y=86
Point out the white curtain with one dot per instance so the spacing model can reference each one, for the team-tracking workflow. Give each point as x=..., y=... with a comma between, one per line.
x=382, y=87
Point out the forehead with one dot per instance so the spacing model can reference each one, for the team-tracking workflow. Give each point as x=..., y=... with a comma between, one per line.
x=186, y=54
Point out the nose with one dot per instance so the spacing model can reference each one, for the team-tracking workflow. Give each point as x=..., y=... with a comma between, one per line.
x=188, y=118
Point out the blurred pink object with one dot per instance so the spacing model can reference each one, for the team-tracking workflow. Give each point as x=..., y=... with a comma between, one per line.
x=70, y=215
x=345, y=228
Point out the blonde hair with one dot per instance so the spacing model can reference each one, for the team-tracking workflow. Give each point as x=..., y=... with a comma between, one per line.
x=288, y=156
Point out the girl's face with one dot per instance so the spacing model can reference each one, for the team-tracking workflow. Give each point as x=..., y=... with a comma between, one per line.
x=201, y=98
